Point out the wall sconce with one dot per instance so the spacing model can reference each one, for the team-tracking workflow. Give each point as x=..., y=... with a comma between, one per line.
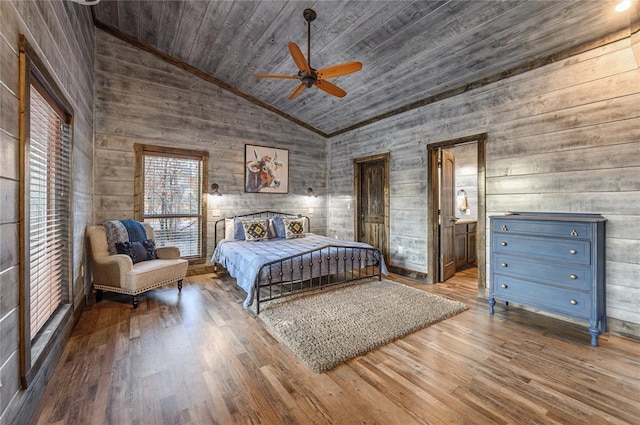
x=623, y=5
x=311, y=193
x=215, y=189
x=86, y=2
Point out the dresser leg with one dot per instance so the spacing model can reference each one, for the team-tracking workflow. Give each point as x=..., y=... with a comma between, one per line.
x=492, y=303
x=595, y=332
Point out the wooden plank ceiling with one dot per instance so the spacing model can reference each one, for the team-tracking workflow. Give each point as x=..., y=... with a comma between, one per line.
x=412, y=51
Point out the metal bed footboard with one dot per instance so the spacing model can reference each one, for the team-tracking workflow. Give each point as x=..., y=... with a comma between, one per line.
x=316, y=269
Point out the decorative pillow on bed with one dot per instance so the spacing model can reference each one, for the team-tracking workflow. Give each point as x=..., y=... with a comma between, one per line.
x=229, y=229
x=238, y=230
x=138, y=251
x=255, y=230
x=271, y=230
x=279, y=227
x=294, y=227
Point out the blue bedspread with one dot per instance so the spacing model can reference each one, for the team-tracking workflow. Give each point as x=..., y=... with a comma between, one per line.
x=243, y=259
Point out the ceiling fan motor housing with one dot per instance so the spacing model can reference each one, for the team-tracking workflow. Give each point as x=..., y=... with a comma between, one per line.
x=308, y=79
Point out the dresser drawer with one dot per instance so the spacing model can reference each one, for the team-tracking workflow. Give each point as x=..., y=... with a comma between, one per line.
x=570, y=276
x=549, y=298
x=573, y=251
x=543, y=228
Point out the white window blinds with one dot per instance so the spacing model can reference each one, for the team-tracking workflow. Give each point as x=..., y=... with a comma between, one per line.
x=173, y=201
x=49, y=210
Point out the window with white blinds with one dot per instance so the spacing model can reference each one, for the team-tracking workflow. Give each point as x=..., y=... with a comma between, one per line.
x=173, y=200
x=48, y=209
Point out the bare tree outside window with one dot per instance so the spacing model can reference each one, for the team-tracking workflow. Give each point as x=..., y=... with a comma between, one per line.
x=173, y=199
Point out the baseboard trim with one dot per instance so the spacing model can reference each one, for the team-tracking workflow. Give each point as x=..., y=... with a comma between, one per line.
x=408, y=273
x=622, y=328
x=200, y=269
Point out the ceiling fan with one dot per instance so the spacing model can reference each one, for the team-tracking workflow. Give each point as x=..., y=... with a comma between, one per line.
x=309, y=76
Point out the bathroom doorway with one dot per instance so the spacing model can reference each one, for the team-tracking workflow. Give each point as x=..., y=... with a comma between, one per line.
x=456, y=205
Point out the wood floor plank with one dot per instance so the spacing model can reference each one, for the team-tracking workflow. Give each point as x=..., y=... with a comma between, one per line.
x=200, y=357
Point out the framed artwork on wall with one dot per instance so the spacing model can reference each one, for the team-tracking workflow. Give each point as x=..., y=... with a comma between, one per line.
x=266, y=169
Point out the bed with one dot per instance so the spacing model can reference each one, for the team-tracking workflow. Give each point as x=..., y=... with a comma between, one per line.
x=278, y=265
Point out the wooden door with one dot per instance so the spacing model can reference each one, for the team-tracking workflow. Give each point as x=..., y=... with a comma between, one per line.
x=372, y=206
x=447, y=215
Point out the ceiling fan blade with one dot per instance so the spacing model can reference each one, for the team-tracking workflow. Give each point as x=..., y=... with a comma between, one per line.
x=330, y=88
x=298, y=58
x=338, y=70
x=296, y=92
x=276, y=76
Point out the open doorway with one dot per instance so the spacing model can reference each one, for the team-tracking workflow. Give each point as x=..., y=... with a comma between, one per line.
x=456, y=205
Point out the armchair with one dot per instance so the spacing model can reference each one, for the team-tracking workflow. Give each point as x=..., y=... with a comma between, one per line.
x=118, y=273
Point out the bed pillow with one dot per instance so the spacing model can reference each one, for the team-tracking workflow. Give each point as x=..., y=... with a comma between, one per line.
x=255, y=230
x=138, y=251
x=229, y=229
x=271, y=230
x=278, y=225
x=238, y=230
x=294, y=227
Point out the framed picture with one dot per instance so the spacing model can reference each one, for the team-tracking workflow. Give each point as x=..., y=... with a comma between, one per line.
x=266, y=169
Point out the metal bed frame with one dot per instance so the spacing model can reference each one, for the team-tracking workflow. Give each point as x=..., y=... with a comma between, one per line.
x=310, y=270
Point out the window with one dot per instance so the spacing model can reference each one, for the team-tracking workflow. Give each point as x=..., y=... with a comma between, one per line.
x=171, y=197
x=49, y=217
x=45, y=190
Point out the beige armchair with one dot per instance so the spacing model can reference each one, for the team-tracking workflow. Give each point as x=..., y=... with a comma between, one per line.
x=118, y=273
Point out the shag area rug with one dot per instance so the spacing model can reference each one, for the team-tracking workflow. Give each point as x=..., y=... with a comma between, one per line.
x=328, y=327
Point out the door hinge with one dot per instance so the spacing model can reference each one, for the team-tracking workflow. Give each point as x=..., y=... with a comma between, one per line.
x=439, y=164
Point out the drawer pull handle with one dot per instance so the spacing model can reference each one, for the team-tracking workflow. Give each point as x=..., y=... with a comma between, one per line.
x=503, y=244
x=503, y=265
x=503, y=286
x=572, y=251
x=573, y=302
x=574, y=233
x=504, y=228
x=573, y=276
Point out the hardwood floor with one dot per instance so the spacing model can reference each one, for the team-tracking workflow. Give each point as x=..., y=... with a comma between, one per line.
x=201, y=358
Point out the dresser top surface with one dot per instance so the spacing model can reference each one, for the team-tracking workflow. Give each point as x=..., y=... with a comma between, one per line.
x=587, y=218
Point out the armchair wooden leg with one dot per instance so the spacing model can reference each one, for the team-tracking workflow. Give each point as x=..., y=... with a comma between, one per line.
x=98, y=295
x=180, y=285
x=135, y=301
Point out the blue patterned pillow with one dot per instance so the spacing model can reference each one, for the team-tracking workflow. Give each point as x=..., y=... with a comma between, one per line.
x=138, y=251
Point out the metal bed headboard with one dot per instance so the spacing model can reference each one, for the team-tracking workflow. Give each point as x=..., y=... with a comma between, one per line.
x=219, y=227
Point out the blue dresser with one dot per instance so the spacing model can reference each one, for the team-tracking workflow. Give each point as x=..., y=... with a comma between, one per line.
x=553, y=262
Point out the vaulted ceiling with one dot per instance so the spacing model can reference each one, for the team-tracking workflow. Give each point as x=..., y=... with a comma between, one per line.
x=413, y=52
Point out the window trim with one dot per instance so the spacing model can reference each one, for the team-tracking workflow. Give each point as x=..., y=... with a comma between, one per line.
x=138, y=211
x=34, y=353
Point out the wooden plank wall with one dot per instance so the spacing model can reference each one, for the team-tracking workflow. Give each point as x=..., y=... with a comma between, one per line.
x=62, y=33
x=564, y=137
x=140, y=98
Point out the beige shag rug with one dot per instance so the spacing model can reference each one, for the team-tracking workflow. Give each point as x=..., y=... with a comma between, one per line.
x=328, y=327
